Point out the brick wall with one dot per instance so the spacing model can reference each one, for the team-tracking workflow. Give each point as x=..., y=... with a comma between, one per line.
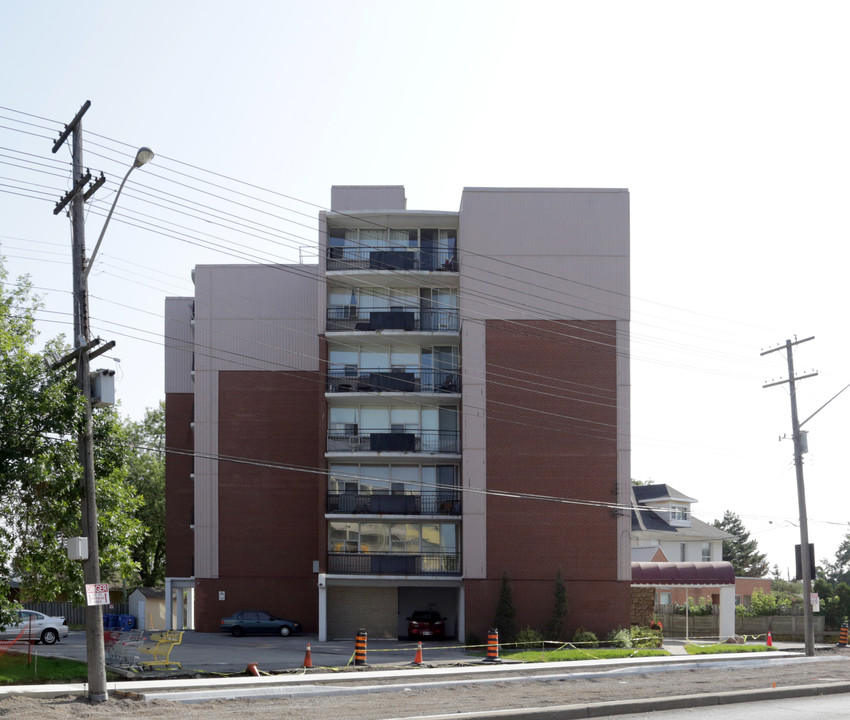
x=179, y=486
x=269, y=516
x=551, y=431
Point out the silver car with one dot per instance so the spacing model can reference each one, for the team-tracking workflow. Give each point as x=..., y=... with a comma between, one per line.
x=36, y=627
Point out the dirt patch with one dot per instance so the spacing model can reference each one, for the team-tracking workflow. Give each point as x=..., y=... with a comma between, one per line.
x=412, y=700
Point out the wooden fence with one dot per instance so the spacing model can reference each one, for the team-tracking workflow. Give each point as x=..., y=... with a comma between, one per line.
x=790, y=626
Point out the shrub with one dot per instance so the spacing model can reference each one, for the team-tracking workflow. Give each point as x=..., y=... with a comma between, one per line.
x=696, y=607
x=505, y=612
x=555, y=628
x=529, y=636
x=646, y=637
x=585, y=638
x=763, y=603
x=619, y=638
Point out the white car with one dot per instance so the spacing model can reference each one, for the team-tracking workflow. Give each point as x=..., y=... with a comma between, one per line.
x=36, y=627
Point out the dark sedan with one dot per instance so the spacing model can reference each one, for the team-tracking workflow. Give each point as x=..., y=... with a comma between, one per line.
x=258, y=622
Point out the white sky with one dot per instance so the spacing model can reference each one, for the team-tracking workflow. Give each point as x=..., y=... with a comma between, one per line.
x=727, y=122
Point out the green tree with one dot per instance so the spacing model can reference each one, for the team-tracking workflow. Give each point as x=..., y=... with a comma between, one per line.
x=505, y=612
x=741, y=551
x=146, y=472
x=556, y=624
x=40, y=488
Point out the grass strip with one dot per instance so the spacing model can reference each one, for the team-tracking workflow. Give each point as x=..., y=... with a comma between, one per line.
x=721, y=648
x=566, y=654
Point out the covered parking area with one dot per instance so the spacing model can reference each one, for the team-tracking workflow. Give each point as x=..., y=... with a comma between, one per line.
x=694, y=574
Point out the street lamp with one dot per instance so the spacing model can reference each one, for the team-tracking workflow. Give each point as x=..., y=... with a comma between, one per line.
x=143, y=156
x=95, y=652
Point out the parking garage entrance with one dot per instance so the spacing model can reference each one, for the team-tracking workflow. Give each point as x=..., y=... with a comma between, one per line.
x=382, y=610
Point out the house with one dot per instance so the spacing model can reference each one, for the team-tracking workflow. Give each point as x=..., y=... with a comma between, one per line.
x=665, y=530
x=442, y=400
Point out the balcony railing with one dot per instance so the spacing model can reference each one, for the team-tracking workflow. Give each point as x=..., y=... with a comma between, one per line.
x=412, y=379
x=384, y=258
x=380, y=440
x=394, y=564
x=398, y=504
x=350, y=317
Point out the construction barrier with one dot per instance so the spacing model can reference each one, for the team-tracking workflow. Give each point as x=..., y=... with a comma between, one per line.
x=842, y=636
x=492, y=646
x=360, y=648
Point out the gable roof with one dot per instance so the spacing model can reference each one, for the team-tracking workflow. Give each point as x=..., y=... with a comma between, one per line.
x=647, y=522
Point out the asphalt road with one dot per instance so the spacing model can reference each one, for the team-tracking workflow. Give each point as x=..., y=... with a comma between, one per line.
x=222, y=653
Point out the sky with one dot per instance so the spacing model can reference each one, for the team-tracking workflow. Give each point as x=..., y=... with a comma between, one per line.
x=726, y=121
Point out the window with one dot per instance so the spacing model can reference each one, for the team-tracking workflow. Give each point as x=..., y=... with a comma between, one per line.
x=680, y=512
x=706, y=552
x=682, y=551
x=665, y=598
x=394, y=538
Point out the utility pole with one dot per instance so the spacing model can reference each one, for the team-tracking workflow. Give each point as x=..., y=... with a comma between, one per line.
x=95, y=654
x=805, y=560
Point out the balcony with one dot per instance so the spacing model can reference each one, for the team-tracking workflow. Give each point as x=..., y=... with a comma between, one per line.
x=346, y=318
x=398, y=504
x=412, y=379
x=384, y=258
x=356, y=440
x=394, y=564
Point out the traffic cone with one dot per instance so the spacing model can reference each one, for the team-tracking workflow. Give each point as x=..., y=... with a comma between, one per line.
x=417, y=660
x=252, y=668
x=769, y=639
x=308, y=660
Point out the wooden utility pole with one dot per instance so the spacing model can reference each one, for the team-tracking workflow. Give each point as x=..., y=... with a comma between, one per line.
x=95, y=653
x=805, y=560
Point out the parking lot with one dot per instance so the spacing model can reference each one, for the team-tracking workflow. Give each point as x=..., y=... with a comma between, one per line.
x=222, y=653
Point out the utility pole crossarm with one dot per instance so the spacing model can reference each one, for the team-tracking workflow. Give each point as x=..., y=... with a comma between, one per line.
x=783, y=382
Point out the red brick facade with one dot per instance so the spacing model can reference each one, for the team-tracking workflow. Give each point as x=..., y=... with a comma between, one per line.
x=179, y=488
x=270, y=513
x=552, y=431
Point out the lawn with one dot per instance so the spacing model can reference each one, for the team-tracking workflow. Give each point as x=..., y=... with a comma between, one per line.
x=18, y=669
x=721, y=648
x=567, y=654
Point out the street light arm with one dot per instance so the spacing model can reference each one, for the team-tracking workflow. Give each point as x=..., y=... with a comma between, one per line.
x=90, y=263
x=143, y=156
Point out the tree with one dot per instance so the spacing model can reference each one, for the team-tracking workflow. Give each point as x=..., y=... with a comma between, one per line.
x=505, y=612
x=556, y=624
x=40, y=474
x=741, y=551
x=146, y=472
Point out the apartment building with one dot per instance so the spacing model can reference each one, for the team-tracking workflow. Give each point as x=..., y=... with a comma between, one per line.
x=442, y=400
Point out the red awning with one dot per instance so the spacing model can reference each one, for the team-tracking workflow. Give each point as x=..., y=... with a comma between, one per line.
x=704, y=574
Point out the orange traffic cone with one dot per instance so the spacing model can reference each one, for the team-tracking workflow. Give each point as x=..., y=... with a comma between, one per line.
x=418, y=659
x=308, y=660
x=252, y=668
x=769, y=639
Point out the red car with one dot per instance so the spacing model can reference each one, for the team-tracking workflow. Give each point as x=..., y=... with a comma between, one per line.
x=426, y=624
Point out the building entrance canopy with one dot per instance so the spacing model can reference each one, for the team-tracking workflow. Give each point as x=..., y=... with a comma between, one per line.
x=703, y=574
